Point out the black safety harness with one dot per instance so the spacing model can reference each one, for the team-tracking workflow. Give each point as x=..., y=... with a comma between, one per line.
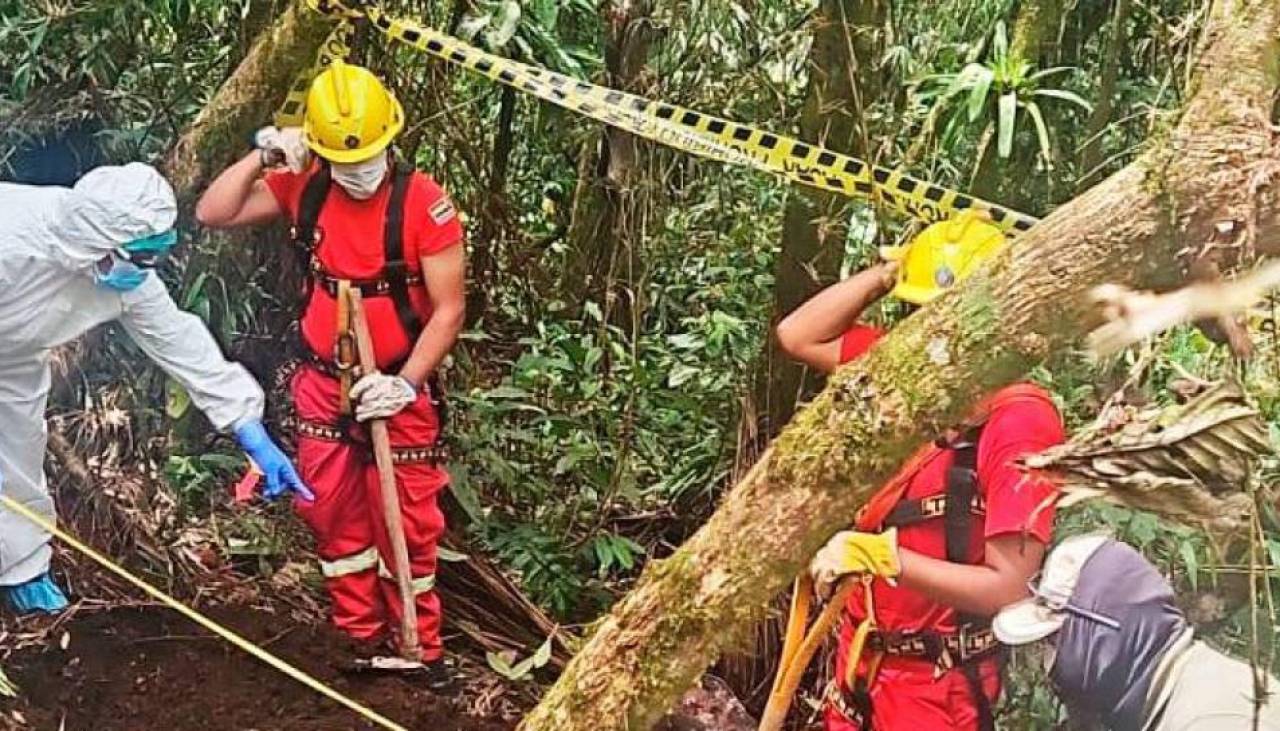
x=395, y=281
x=973, y=639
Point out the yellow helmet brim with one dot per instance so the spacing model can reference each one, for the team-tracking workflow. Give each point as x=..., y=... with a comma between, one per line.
x=359, y=154
x=915, y=294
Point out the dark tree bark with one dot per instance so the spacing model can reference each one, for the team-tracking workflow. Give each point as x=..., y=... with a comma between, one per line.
x=843, y=84
x=1031, y=303
x=1091, y=155
x=603, y=231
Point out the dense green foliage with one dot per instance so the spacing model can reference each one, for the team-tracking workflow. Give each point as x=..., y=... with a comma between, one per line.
x=593, y=433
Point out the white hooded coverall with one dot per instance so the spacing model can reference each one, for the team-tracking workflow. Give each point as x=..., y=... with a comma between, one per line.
x=51, y=238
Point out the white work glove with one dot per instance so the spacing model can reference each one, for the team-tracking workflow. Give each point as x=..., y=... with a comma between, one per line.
x=284, y=146
x=379, y=396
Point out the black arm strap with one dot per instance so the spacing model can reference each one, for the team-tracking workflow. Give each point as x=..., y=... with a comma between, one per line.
x=304, y=234
x=395, y=268
x=396, y=272
x=314, y=194
x=962, y=486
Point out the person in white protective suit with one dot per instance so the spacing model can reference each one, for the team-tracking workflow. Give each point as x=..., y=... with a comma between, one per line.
x=71, y=259
x=1122, y=655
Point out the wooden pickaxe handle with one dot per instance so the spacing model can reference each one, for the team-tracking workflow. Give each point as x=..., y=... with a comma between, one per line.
x=800, y=647
x=410, y=643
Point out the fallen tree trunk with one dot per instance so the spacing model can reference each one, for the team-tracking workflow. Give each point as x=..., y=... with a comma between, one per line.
x=247, y=99
x=1029, y=305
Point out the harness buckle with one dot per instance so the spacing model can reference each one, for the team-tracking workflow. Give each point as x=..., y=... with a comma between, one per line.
x=964, y=640
x=344, y=354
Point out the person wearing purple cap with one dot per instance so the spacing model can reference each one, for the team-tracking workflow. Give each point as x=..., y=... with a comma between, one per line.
x=1123, y=656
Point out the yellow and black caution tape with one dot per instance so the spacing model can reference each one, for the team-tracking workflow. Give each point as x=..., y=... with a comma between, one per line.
x=684, y=129
x=191, y=614
x=337, y=45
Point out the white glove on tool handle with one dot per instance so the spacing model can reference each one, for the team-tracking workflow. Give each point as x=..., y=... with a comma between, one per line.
x=379, y=396
x=285, y=145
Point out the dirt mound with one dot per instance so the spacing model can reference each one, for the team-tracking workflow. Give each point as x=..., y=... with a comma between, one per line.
x=135, y=669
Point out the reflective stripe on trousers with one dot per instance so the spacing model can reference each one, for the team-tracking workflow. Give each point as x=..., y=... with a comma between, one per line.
x=352, y=564
x=420, y=584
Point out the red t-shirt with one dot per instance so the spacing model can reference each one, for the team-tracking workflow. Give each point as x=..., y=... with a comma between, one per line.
x=351, y=247
x=1014, y=429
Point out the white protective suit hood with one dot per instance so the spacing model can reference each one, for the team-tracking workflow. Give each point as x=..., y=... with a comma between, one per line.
x=109, y=207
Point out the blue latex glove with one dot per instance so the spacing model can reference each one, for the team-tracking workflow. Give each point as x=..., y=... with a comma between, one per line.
x=38, y=595
x=279, y=471
x=122, y=275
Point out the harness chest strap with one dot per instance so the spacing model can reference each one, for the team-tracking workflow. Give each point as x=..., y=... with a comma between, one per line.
x=397, y=277
x=910, y=512
x=367, y=287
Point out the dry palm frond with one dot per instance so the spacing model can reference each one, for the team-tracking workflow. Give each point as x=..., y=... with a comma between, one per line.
x=1188, y=462
x=490, y=609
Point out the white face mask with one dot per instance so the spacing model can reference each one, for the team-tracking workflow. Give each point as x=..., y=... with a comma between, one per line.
x=361, y=179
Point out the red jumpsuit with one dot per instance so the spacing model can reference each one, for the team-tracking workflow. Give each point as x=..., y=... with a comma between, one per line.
x=334, y=456
x=908, y=692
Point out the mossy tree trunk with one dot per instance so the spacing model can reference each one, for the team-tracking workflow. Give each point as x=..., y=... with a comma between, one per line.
x=1030, y=304
x=247, y=99
x=1036, y=30
x=843, y=84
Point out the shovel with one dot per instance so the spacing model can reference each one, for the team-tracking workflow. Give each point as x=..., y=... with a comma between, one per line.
x=410, y=644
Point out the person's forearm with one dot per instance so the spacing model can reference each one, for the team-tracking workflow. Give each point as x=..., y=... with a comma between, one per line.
x=831, y=312
x=974, y=589
x=228, y=193
x=433, y=344
x=181, y=344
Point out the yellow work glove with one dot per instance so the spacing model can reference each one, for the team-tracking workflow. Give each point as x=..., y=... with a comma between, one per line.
x=851, y=552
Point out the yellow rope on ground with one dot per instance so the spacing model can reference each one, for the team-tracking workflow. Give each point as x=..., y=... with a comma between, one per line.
x=200, y=619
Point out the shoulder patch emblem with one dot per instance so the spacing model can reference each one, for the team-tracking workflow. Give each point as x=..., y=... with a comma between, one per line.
x=442, y=211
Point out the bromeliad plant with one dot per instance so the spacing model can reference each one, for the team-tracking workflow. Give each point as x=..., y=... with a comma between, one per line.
x=991, y=93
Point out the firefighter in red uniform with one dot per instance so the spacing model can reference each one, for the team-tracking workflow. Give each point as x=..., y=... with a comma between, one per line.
x=362, y=222
x=954, y=536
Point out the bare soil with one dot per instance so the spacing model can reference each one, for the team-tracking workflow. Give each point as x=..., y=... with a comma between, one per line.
x=138, y=669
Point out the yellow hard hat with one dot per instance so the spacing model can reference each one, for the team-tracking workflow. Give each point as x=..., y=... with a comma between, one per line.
x=350, y=116
x=944, y=254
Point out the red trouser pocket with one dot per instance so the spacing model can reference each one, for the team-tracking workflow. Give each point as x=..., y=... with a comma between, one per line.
x=347, y=517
